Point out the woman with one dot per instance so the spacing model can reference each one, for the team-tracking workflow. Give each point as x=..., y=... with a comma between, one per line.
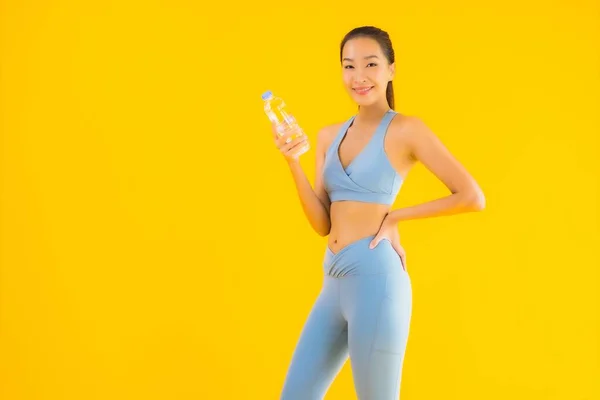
x=364, y=308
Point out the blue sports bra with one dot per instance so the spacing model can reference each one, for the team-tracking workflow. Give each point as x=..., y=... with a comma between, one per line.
x=370, y=177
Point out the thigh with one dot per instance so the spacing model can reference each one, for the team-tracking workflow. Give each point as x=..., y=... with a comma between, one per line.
x=378, y=326
x=321, y=350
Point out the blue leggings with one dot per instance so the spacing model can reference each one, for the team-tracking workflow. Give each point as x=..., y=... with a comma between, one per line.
x=363, y=311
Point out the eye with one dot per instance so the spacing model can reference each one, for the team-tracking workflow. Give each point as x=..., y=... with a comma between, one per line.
x=374, y=64
x=348, y=66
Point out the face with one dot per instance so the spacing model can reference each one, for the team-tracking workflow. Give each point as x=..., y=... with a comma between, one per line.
x=366, y=71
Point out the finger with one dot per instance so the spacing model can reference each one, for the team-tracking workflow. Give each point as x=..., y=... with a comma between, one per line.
x=401, y=252
x=284, y=139
x=285, y=147
x=278, y=130
x=293, y=144
x=374, y=242
x=403, y=259
x=292, y=153
x=403, y=263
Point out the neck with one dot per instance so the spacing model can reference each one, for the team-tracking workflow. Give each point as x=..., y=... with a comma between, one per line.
x=372, y=113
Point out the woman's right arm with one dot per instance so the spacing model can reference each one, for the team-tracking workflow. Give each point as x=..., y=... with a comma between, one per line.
x=315, y=203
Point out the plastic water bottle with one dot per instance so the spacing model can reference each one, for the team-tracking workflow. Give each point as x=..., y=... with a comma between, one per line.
x=278, y=113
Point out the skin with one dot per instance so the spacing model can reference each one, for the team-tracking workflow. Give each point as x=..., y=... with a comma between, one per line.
x=408, y=141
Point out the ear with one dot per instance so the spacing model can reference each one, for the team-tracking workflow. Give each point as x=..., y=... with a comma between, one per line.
x=392, y=71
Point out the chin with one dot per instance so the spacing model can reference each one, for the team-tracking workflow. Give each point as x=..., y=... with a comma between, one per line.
x=363, y=102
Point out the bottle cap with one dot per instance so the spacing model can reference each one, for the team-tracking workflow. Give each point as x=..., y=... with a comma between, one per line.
x=267, y=95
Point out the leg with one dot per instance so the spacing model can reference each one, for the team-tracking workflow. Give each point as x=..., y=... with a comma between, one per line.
x=322, y=348
x=378, y=309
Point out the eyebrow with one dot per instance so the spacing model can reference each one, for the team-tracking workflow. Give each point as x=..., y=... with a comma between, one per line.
x=366, y=58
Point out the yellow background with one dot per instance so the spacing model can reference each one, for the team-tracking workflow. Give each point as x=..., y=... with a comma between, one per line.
x=153, y=245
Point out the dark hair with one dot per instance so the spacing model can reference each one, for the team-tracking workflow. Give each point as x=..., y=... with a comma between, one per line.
x=385, y=43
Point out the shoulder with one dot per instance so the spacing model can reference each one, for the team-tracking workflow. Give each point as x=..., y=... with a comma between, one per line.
x=327, y=134
x=409, y=128
x=404, y=124
x=409, y=134
x=415, y=135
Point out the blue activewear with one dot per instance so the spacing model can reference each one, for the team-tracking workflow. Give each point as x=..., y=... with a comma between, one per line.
x=363, y=310
x=370, y=177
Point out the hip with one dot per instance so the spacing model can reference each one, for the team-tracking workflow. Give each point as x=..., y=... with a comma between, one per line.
x=356, y=258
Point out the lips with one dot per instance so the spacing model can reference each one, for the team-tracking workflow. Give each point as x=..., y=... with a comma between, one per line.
x=363, y=90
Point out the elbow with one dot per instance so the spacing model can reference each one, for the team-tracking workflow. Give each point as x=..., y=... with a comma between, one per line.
x=471, y=200
x=324, y=229
x=476, y=200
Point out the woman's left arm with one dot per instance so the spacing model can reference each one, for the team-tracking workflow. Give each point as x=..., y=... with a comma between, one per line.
x=426, y=147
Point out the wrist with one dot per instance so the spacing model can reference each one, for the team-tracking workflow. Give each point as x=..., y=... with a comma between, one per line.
x=293, y=162
x=395, y=216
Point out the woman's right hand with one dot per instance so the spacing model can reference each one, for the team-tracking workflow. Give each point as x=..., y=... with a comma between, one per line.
x=286, y=145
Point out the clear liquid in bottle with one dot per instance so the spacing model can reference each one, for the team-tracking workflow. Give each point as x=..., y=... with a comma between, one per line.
x=276, y=110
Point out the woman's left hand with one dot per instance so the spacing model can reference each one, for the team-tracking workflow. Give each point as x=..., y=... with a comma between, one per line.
x=390, y=232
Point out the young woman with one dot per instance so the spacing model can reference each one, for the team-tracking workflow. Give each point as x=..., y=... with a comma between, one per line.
x=364, y=308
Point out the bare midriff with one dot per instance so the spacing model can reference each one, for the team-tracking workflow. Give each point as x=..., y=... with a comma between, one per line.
x=353, y=220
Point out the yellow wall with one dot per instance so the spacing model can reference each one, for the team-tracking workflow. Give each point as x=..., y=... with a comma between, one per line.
x=153, y=246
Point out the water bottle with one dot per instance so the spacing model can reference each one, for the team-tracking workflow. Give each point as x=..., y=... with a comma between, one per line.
x=278, y=113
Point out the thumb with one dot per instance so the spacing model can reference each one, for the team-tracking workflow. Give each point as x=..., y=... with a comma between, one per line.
x=374, y=242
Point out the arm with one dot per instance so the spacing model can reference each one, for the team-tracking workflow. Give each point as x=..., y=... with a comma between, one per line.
x=315, y=203
x=466, y=195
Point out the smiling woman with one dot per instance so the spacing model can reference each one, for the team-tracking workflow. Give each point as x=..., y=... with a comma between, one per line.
x=368, y=61
x=364, y=308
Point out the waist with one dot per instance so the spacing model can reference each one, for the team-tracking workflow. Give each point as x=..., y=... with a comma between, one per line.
x=352, y=220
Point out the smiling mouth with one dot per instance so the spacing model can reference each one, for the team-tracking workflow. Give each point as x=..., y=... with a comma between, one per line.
x=363, y=90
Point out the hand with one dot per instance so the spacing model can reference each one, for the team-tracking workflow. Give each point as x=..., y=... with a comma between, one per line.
x=287, y=144
x=390, y=232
